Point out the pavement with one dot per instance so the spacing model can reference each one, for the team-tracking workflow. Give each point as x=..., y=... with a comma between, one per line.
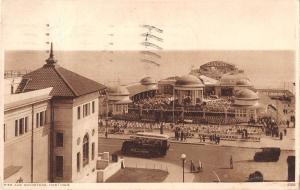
x=173, y=169
x=287, y=143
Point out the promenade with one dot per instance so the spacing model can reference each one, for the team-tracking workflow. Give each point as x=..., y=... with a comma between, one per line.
x=287, y=143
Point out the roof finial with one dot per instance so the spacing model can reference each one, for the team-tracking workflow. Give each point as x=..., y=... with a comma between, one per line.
x=51, y=60
x=51, y=50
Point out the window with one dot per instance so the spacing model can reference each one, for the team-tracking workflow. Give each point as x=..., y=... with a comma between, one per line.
x=93, y=107
x=59, y=139
x=4, y=132
x=37, y=120
x=86, y=109
x=93, y=151
x=41, y=118
x=16, y=128
x=85, y=150
x=78, y=161
x=26, y=124
x=78, y=112
x=59, y=161
x=21, y=126
x=45, y=117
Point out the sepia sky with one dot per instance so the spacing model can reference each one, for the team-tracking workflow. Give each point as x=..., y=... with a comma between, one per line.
x=116, y=24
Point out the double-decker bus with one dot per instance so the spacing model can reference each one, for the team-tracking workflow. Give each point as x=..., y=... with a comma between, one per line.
x=146, y=144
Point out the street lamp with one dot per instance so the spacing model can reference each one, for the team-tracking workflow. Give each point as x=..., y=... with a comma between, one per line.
x=183, y=156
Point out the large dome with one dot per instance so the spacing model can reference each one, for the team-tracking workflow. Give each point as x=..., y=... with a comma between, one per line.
x=189, y=81
x=147, y=81
x=246, y=94
x=118, y=90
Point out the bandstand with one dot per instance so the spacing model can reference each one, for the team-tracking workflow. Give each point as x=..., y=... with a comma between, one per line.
x=246, y=105
x=118, y=100
x=188, y=90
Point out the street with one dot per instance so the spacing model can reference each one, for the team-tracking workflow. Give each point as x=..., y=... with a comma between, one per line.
x=216, y=161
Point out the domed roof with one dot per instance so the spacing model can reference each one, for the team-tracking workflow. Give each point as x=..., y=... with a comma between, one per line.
x=147, y=81
x=246, y=94
x=118, y=90
x=189, y=81
x=243, y=82
x=235, y=79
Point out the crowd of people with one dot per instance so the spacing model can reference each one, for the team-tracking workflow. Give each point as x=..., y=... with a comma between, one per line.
x=166, y=102
x=182, y=131
x=218, y=105
x=134, y=126
x=156, y=102
x=270, y=126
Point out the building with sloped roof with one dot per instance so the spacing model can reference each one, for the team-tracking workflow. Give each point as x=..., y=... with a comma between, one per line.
x=118, y=100
x=147, y=87
x=188, y=89
x=73, y=121
x=246, y=105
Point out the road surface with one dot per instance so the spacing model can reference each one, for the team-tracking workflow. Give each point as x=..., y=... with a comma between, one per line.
x=216, y=161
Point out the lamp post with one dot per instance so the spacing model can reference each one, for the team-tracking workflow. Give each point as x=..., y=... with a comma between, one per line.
x=183, y=157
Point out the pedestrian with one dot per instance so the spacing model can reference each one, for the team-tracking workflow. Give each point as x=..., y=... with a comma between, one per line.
x=231, y=163
x=200, y=137
x=181, y=135
x=200, y=166
x=203, y=138
x=106, y=134
x=281, y=135
x=192, y=166
x=284, y=132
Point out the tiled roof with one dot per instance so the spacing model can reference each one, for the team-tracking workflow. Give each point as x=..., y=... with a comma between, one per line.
x=80, y=85
x=65, y=83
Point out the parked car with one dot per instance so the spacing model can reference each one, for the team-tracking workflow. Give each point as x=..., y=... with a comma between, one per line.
x=256, y=176
x=269, y=154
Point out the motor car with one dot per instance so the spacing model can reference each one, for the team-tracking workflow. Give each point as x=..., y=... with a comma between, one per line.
x=268, y=154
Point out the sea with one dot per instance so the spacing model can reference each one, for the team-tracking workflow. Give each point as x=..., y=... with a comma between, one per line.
x=265, y=69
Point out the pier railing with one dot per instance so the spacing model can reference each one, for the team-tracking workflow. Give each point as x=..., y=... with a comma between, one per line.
x=15, y=73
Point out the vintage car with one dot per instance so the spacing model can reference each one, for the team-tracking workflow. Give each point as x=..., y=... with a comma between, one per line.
x=268, y=154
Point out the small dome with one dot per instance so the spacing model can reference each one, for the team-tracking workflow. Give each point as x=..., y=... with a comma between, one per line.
x=147, y=81
x=243, y=82
x=118, y=90
x=234, y=79
x=189, y=81
x=246, y=94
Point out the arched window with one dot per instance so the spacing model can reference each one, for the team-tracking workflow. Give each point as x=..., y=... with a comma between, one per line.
x=85, y=150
